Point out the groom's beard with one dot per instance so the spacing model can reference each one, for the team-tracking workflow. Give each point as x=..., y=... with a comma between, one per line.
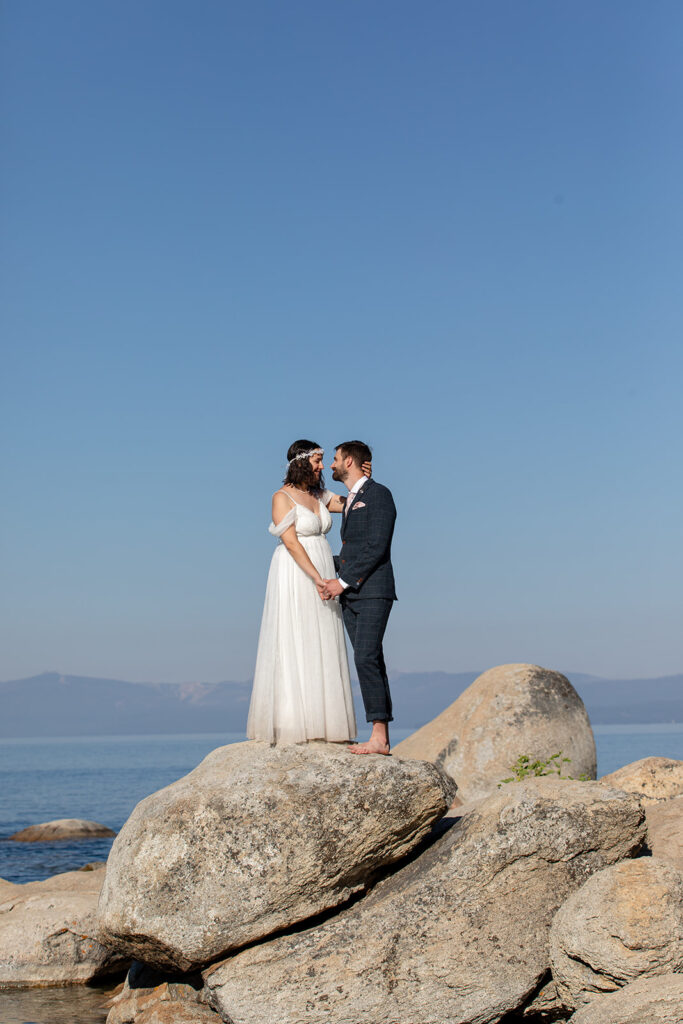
x=336, y=475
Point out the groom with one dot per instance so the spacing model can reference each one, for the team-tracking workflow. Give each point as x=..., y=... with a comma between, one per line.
x=366, y=584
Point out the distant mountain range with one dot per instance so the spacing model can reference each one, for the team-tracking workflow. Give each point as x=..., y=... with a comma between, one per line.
x=60, y=705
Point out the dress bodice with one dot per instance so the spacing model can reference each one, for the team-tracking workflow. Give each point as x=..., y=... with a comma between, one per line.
x=307, y=522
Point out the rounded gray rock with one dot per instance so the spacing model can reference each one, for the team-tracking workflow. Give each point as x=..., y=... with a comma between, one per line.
x=509, y=711
x=624, y=923
x=62, y=828
x=258, y=838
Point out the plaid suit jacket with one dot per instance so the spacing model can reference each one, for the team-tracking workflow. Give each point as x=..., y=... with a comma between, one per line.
x=366, y=532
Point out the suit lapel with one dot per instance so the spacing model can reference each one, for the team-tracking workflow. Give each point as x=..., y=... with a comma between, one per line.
x=345, y=515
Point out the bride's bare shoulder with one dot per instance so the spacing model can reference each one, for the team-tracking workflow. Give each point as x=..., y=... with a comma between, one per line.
x=282, y=499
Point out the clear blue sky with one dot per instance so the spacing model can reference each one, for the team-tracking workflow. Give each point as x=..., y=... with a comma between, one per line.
x=451, y=229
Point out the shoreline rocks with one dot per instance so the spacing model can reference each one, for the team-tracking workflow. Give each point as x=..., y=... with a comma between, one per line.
x=509, y=711
x=61, y=828
x=302, y=884
x=256, y=839
x=48, y=932
x=624, y=923
x=460, y=933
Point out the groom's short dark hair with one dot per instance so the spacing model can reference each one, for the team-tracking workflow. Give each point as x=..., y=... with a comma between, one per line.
x=357, y=450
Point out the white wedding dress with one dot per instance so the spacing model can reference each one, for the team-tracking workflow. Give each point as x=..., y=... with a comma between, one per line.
x=301, y=686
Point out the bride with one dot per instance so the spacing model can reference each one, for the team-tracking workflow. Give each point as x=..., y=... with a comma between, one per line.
x=301, y=685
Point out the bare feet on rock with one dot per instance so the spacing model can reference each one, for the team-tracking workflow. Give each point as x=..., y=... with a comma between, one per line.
x=378, y=742
x=370, y=748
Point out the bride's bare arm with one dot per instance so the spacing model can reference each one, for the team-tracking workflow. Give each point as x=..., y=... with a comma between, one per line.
x=281, y=506
x=336, y=502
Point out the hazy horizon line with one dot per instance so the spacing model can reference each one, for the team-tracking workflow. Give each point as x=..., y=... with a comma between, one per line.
x=393, y=674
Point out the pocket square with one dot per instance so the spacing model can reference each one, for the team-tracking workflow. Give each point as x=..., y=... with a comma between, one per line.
x=359, y=504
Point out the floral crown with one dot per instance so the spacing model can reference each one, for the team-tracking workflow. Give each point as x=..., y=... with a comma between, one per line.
x=307, y=455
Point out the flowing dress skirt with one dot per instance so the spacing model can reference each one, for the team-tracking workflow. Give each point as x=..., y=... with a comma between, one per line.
x=301, y=686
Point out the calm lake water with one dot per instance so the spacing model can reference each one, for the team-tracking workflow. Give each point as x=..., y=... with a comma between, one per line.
x=103, y=778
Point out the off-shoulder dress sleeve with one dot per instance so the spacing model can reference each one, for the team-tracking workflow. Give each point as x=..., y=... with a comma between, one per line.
x=327, y=497
x=284, y=524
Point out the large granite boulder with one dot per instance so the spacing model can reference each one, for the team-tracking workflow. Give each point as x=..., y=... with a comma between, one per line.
x=458, y=934
x=624, y=923
x=255, y=839
x=509, y=711
x=652, y=778
x=665, y=831
x=62, y=828
x=645, y=1001
x=48, y=932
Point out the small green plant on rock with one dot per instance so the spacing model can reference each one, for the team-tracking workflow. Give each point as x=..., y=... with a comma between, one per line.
x=525, y=768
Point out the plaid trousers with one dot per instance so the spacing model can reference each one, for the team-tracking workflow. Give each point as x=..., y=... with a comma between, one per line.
x=365, y=621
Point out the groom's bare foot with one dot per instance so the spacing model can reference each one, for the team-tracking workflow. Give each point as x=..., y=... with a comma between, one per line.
x=378, y=742
x=370, y=748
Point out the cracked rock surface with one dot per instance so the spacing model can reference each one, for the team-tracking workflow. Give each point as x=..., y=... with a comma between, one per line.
x=646, y=1001
x=625, y=923
x=256, y=839
x=665, y=831
x=48, y=932
x=459, y=934
x=507, y=711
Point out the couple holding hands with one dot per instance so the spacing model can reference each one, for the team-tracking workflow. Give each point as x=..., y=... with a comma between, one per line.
x=301, y=685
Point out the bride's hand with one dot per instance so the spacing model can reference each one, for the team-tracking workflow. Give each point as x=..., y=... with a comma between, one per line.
x=367, y=468
x=321, y=588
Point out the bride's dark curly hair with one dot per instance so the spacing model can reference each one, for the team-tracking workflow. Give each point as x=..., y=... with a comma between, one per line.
x=299, y=472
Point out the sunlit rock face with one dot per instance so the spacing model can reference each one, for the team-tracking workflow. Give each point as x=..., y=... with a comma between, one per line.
x=625, y=923
x=459, y=934
x=258, y=838
x=509, y=711
x=653, y=779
